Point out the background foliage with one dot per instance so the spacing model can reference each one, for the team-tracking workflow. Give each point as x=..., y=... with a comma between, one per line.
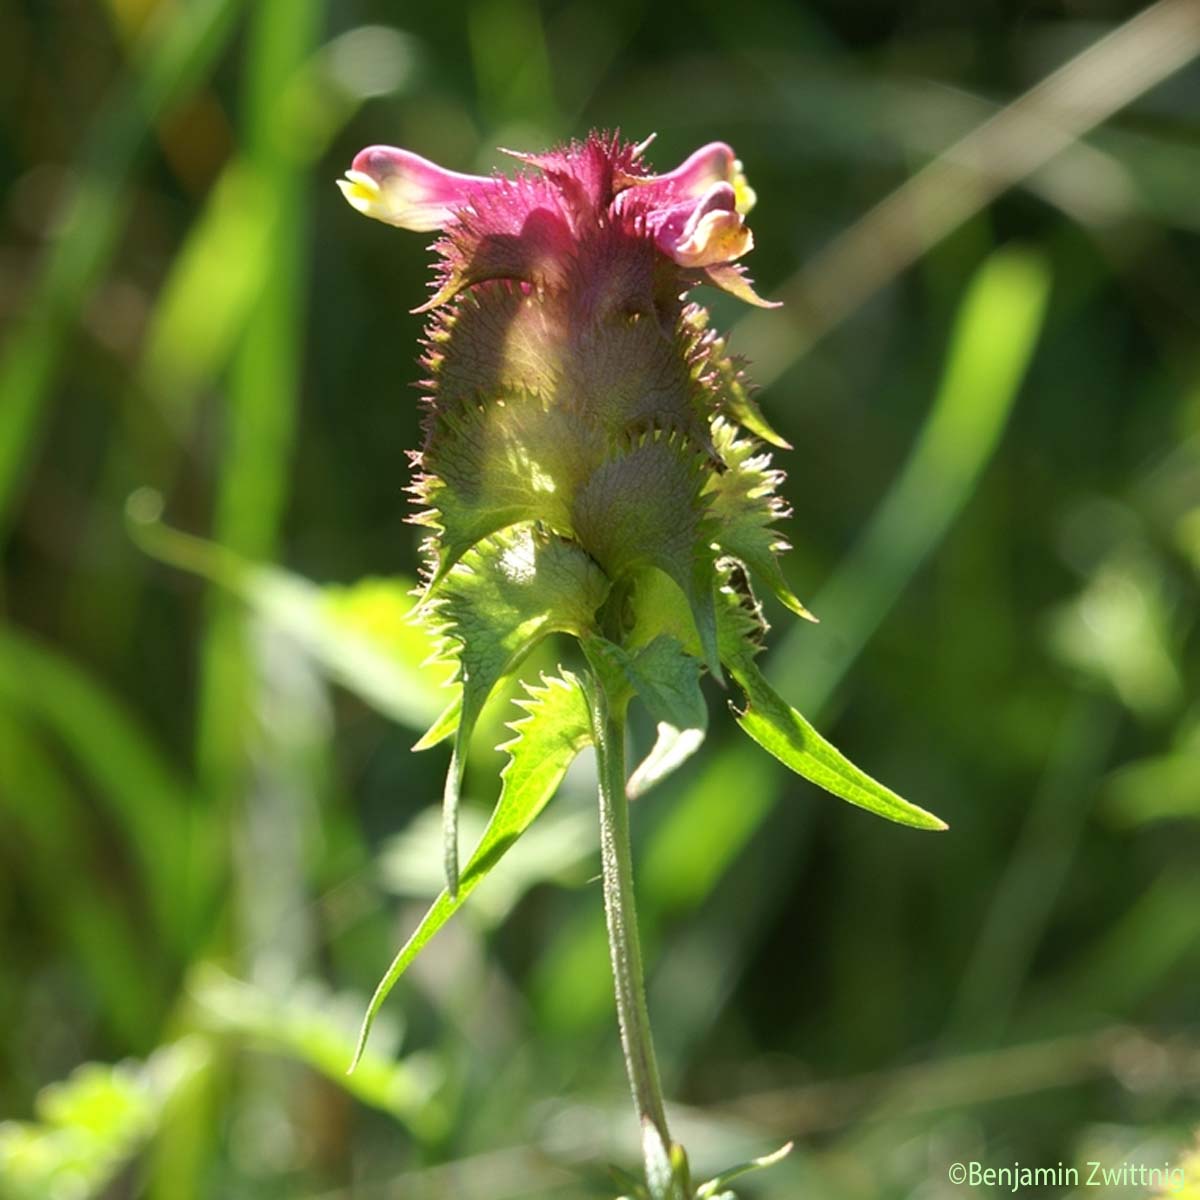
x=212, y=832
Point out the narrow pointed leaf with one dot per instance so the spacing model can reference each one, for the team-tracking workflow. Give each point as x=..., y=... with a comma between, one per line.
x=557, y=727
x=782, y=731
x=712, y=1189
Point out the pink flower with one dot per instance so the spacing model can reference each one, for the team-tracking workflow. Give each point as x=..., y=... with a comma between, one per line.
x=704, y=232
x=592, y=211
x=404, y=189
x=698, y=208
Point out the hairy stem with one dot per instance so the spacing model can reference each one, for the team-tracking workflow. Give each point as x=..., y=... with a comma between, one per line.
x=624, y=944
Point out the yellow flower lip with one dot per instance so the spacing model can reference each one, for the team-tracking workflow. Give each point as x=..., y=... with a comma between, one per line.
x=746, y=196
x=362, y=192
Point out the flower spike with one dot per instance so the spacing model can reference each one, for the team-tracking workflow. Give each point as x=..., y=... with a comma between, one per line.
x=557, y=405
x=594, y=467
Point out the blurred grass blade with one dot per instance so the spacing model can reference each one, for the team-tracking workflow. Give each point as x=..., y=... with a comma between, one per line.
x=1132, y=954
x=150, y=802
x=265, y=382
x=557, y=727
x=1163, y=788
x=511, y=62
x=215, y=278
x=111, y=958
x=361, y=635
x=991, y=346
x=254, y=464
x=213, y=282
x=227, y=259
x=266, y=378
x=1035, y=873
x=171, y=61
x=1084, y=92
x=445, y=725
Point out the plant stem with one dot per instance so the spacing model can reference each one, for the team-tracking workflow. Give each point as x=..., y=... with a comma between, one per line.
x=620, y=910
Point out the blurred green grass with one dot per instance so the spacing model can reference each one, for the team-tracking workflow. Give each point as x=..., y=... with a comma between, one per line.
x=208, y=811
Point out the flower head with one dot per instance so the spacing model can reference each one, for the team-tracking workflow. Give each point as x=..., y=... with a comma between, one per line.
x=583, y=424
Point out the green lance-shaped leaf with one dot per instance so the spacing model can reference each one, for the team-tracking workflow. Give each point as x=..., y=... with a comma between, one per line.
x=557, y=727
x=782, y=731
x=504, y=596
x=442, y=728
